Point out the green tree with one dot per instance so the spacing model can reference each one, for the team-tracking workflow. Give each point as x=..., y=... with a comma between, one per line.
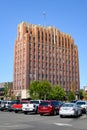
x=71, y=96
x=44, y=89
x=58, y=93
x=6, y=90
x=39, y=89
x=33, y=89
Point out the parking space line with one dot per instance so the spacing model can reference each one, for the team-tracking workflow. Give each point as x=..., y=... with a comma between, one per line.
x=62, y=124
x=3, y=126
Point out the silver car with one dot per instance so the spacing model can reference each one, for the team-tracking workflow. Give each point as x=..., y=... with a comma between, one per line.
x=70, y=109
x=4, y=105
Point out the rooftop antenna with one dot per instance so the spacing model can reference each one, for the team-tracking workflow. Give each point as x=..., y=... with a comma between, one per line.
x=44, y=16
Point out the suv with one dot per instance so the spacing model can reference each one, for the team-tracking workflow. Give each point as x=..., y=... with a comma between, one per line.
x=49, y=107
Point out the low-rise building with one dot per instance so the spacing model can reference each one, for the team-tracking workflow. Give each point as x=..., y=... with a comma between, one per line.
x=85, y=88
x=9, y=85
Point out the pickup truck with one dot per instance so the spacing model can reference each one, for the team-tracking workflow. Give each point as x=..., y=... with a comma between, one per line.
x=18, y=106
x=82, y=104
x=31, y=107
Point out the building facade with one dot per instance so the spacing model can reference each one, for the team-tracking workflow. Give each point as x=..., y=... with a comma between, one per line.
x=44, y=53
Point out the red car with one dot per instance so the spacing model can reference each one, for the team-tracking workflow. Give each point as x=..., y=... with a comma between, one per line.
x=49, y=107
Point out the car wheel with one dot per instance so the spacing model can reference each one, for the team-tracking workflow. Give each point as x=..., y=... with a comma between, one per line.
x=25, y=112
x=55, y=112
x=36, y=111
x=61, y=116
x=16, y=111
x=81, y=113
x=41, y=114
x=9, y=110
x=86, y=112
x=76, y=114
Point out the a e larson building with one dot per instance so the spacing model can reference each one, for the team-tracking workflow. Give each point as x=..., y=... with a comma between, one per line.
x=44, y=53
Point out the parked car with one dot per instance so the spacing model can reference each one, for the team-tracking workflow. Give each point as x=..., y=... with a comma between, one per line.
x=18, y=106
x=73, y=101
x=86, y=110
x=70, y=109
x=82, y=104
x=0, y=104
x=4, y=105
x=50, y=107
x=31, y=107
x=10, y=106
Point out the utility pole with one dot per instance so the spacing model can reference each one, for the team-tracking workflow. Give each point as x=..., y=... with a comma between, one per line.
x=44, y=17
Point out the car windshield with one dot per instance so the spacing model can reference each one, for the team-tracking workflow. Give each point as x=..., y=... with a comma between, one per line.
x=56, y=103
x=68, y=105
x=36, y=102
x=4, y=102
x=73, y=101
x=24, y=102
x=44, y=103
x=13, y=102
x=81, y=103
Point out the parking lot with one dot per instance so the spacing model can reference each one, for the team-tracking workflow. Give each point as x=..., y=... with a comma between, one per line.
x=19, y=121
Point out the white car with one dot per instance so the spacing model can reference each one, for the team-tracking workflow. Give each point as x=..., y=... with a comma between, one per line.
x=70, y=109
x=31, y=107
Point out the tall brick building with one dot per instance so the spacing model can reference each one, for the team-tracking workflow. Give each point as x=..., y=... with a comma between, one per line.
x=44, y=53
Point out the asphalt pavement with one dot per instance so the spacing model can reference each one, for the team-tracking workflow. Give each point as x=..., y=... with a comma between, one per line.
x=19, y=121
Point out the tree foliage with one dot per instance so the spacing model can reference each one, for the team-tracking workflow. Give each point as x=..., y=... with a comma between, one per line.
x=58, y=93
x=33, y=89
x=5, y=90
x=44, y=89
x=71, y=96
x=39, y=90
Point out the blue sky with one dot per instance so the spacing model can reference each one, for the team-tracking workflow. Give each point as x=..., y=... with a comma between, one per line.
x=69, y=16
